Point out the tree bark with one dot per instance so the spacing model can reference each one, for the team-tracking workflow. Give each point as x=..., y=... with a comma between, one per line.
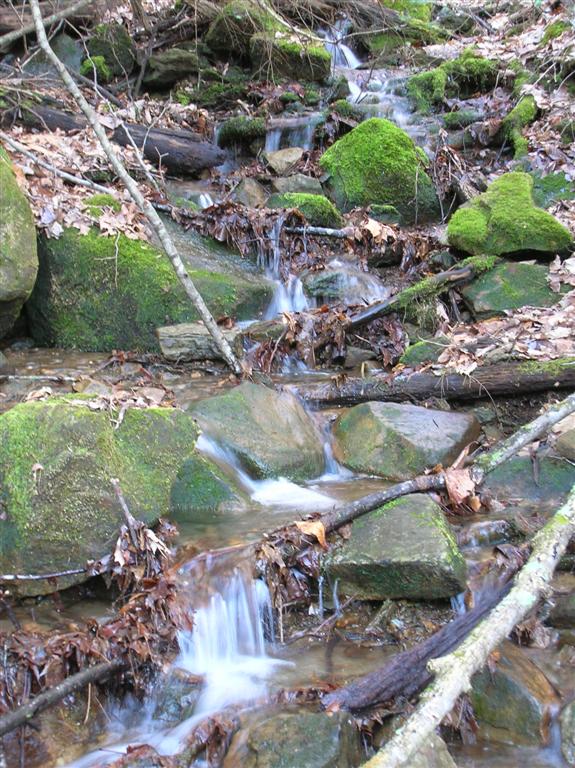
x=26, y=712
x=144, y=205
x=511, y=379
x=453, y=672
x=177, y=152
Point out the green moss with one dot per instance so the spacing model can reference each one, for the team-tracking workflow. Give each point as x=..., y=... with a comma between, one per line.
x=97, y=64
x=102, y=293
x=200, y=487
x=523, y=114
x=289, y=97
x=459, y=78
x=387, y=46
x=218, y=95
x=552, y=188
x=235, y=25
x=318, y=210
x=96, y=204
x=415, y=9
x=344, y=109
x=555, y=29
x=275, y=57
x=241, y=131
x=424, y=351
x=460, y=119
x=387, y=214
x=378, y=163
x=550, y=367
x=504, y=219
x=113, y=43
x=312, y=97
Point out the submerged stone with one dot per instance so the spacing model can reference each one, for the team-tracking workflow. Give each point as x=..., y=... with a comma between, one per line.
x=399, y=441
x=504, y=219
x=99, y=293
x=58, y=507
x=510, y=285
x=404, y=549
x=318, y=210
x=377, y=162
x=18, y=251
x=300, y=739
x=269, y=431
x=514, y=702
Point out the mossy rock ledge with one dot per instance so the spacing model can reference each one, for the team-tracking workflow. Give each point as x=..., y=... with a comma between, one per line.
x=58, y=507
x=114, y=44
x=90, y=297
x=234, y=26
x=277, y=57
x=505, y=220
x=269, y=432
x=404, y=549
x=18, y=251
x=378, y=163
x=318, y=210
x=399, y=441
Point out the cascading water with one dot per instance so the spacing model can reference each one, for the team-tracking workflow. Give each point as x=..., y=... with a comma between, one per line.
x=341, y=54
x=292, y=132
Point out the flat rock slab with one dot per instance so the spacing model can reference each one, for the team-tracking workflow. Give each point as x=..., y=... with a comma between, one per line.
x=191, y=341
x=399, y=441
x=269, y=432
x=283, y=159
x=514, y=702
x=297, y=183
x=404, y=549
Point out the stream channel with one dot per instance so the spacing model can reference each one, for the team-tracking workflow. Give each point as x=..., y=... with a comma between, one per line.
x=236, y=644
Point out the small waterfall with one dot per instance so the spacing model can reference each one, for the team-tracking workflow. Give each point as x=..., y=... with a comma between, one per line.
x=341, y=54
x=292, y=132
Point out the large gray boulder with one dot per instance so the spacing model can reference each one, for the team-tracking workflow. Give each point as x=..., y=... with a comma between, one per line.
x=18, y=254
x=404, y=549
x=399, y=441
x=268, y=431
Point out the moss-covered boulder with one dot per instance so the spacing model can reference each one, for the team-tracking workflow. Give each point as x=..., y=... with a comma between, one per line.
x=387, y=46
x=523, y=114
x=114, y=44
x=18, y=252
x=234, y=26
x=201, y=491
x=57, y=505
x=399, y=441
x=242, y=132
x=458, y=78
x=504, y=219
x=416, y=9
x=269, y=431
x=166, y=68
x=318, y=210
x=378, y=163
x=97, y=293
x=513, y=702
x=277, y=57
x=510, y=285
x=299, y=739
x=404, y=549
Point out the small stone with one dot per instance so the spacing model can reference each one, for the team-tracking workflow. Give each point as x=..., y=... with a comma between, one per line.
x=513, y=703
x=283, y=159
x=404, y=549
x=297, y=183
x=399, y=441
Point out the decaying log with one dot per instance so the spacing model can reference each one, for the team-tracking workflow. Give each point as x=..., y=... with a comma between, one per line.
x=17, y=22
x=178, y=152
x=510, y=379
x=191, y=342
x=26, y=712
x=453, y=672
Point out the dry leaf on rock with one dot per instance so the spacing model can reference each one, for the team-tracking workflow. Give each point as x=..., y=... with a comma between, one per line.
x=313, y=528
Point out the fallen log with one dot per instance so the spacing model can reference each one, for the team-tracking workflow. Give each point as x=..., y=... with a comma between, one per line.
x=509, y=378
x=26, y=712
x=17, y=22
x=177, y=152
x=454, y=671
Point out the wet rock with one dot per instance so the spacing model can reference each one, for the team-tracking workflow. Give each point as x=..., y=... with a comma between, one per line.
x=242, y=132
x=404, y=549
x=435, y=755
x=562, y=614
x=510, y=285
x=567, y=723
x=565, y=444
x=201, y=491
x=356, y=357
x=340, y=283
x=377, y=162
x=297, y=183
x=505, y=220
x=282, y=160
x=58, y=507
x=268, y=431
x=399, y=441
x=292, y=59
x=114, y=44
x=297, y=740
x=176, y=696
x=251, y=193
x=18, y=252
x=424, y=351
x=91, y=296
x=513, y=702
x=541, y=489
x=168, y=67
x=191, y=341
x=317, y=209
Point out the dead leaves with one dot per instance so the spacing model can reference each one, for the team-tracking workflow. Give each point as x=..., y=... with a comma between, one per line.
x=313, y=528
